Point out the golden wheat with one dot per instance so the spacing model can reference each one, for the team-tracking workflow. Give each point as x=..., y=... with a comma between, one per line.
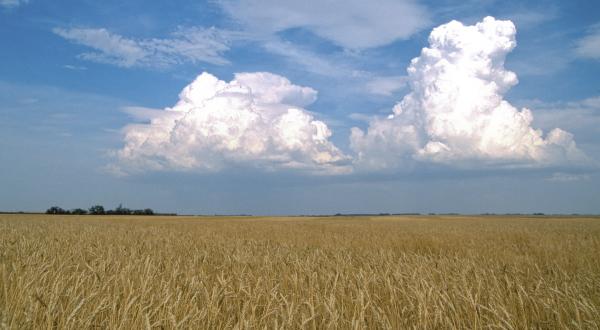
x=73, y=272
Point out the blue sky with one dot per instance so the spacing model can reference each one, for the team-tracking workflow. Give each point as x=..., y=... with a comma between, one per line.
x=83, y=84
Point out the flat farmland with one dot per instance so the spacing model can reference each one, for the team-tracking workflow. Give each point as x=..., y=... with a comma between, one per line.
x=78, y=272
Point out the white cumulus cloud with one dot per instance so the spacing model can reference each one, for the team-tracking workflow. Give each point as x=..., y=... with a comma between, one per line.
x=455, y=112
x=185, y=45
x=256, y=120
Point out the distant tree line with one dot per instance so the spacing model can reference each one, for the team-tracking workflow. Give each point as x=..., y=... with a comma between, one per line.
x=99, y=210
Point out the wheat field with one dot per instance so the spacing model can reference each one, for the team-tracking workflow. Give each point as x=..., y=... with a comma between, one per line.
x=81, y=272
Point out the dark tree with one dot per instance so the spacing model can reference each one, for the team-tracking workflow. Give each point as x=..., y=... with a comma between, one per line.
x=79, y=211
x=56, y=210
x=122, y=210
x=97, y=209
x=143, y=212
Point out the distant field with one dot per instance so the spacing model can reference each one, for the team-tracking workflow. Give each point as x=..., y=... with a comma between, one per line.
x=82, y=272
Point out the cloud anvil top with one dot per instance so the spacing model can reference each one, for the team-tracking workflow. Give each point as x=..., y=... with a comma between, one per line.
x=454, y=114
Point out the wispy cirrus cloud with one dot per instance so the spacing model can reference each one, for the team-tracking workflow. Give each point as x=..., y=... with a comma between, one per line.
x=386, y=85
x=568, y=177
x=336, y=69
x=12, y=3
x=74, y=67
x=184, y=45
x=527, y=18
x=309, y=60
x=581, y=117
x=589, y=45
x=356, y=24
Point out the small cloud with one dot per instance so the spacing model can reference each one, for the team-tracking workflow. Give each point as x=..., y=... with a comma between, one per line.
x=386, y=86
x=110, y=130
x=29, y=100
x=143, y=113
x=360, y=117
x=568, y=177
x=589, y=46
x=74, y=67
x=12, y=3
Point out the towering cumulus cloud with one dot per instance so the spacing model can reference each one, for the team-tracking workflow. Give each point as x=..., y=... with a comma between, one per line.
x=256, y=120
x=455, y=112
